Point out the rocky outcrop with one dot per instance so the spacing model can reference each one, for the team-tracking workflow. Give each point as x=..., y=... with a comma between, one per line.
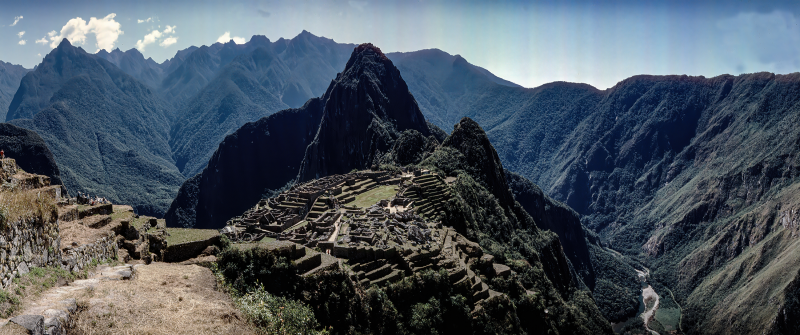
x=366, y=108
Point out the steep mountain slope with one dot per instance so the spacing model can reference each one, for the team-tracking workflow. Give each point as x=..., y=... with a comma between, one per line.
x=694, y=175
x=484, y=210
x=29, y=150
x=133, y=63
x=444, y=84
x=259, y=158
x=10, y=77
x=262, y=79
x=366, y=108
x=236, y=96
x=107, y=131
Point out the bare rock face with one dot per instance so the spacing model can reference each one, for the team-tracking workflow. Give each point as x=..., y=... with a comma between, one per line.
x=367, y=106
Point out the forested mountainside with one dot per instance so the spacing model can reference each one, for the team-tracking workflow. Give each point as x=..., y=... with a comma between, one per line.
x=108, y=132
x=10, y=76
x=691, y=175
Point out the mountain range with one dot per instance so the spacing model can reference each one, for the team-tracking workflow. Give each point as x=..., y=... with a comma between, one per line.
x=689, y=178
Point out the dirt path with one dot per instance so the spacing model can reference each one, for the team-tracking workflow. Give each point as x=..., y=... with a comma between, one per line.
x=648, y=295
x=159, y=298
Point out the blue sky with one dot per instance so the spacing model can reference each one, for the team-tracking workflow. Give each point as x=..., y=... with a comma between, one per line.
x=527, y=42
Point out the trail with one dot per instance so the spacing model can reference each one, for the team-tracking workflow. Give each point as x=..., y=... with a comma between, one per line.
x=648, y=294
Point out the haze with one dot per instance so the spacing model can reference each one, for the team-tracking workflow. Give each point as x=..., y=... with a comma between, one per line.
x=527, y=42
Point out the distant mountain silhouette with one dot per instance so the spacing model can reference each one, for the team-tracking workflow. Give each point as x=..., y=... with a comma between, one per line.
x=133, y=63
x=108, y=132
x=10, y=77
x=256, y=83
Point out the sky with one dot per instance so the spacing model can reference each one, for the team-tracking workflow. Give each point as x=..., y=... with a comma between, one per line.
x=527, y=42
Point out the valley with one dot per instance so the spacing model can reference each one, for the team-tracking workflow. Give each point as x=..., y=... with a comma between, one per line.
x=663, y=204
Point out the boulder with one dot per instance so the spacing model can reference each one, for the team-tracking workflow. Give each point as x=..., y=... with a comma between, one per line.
x=33, y=323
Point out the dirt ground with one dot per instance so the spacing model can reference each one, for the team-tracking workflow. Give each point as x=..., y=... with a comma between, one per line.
x=161, y=298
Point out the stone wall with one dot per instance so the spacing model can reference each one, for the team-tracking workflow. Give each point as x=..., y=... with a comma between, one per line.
x=25, y=244
x=77, y=258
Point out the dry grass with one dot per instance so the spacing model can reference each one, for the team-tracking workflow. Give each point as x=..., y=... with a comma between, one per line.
x=16, y=206
x=161, y=299
x=75, y=231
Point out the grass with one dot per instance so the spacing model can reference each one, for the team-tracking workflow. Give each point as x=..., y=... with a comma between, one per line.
x=372, y=196
x=16, y=206
x=668, y=317
x=161, y=299
x=182, y=235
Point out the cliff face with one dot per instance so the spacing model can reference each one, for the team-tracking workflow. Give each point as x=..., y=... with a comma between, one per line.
x=554, y=216
x=258, y=158
x=366, y=108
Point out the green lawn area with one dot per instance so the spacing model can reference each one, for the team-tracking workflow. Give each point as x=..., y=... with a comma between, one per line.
x=181, y=235
x=372, y=196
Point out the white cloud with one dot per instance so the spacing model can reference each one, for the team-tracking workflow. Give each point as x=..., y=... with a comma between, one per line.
x=40, y=55
x=43, y=40
x=105, y=30
x=227, y=37
x=19, y=34
x=16, y=19
x=22, y=42
x=148, y=39
x=155, y=35
x=149, y=19
x=168, y=41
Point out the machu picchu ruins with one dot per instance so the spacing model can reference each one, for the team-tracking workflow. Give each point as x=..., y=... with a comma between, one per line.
x=383, y=225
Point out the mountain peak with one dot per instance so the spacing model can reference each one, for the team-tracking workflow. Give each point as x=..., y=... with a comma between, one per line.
x=64, y=43
x=369, y=53
x=367, y=107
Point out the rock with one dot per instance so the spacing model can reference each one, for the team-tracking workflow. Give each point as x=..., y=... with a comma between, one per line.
x=22, y=268
x=125, y=274
x=53, y=327
x=210, y=250
x=71, y=305
x=501, y=270
x=33, y=323
x=470, y=248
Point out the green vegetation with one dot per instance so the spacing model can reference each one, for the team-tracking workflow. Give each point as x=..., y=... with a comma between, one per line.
x=182, y=235
x=277, y=315
x=425, y=303
x=33, y=283
x=374, y=195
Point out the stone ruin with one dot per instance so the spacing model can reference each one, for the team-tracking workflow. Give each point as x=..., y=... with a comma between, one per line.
x=382, y=242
